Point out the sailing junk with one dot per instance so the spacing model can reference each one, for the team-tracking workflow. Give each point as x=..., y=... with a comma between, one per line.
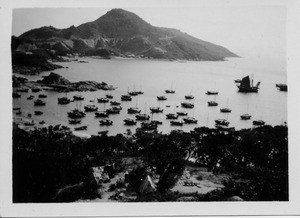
x=247, y=86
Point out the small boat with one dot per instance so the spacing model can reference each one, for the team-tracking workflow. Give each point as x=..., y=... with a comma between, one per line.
x=105, y=122
x=258, y=122
x=156, y=110
x=237, y=80
x=126, y=98
x=38, y=112
x=189, y=97
x=169, y=91
x=18, y=112
x=247, y=86
x=76, y=114
x=225, y=110
x=78, y=98
x=103, y=132
x=30, y=97
x=63, y=100
x=187, y=105
x=134, y=93
x=142, y=117
x=32, y=123
x=36, y=89
x=149, y=125
x=181, y=113
x=245, y=117
x=80, y=128
x=222, y=122
x=109, y=96
x=101, y=114
x=42, y=96
x=161, y=98
x=129, y=122
x=212, y=103
x=102, y=100
x=39, y=102
x=212, y=93
x=16, y=108
x=74, y=121
x=117, y=108
x=115, y=103
x=133, y=110
x=190, y=120
x=168, y=105
x=42, y=122
x=176, y=123
x=16, y=95
x=90, y=108
x=140, y=92
x=157, y=122
x=282, y=87
x=172, y=116
x=112, y=111
x=23, y=90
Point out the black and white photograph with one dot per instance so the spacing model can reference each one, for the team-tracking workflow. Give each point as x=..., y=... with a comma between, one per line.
x=139, y=103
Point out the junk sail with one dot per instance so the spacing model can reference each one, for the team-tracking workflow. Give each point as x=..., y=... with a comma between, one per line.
x=247, y=86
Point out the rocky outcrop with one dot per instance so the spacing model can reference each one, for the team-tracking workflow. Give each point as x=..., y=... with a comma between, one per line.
x=56, y=79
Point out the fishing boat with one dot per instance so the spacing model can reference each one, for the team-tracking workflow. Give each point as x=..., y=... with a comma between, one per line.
x=168, y=105
x=126, y=98
x=189, y=97
x=42, y=122
x=222, y=122
x=30, y=97
x=80, y=128
x=78, y=98
x=190, y=120
x=18, y=112
x=16, y=95
x=187, y=105
x=212, y=103
x=140, y=92
x=63, y=100
x=157, y=122
x=142, y=117
x=115, y=103
x=112, y=111
x=16, y=108
x=39, y=102
x=23, y=90
x=38, y=112
x=102, y=100
x=101, y=114
x=176, y=123
x=282, y=87
x=171, y=116
x=42, y=96
x=181, y=113
x=36, y=89
x=161, y=98
x=169, y=91
x=258, y=122
x=133, y=110
x=246, y=85
x=105, y=122
x=90, y=108
x=118, y=108
x=32, y=123
x=156, y=110
x=129, y=122
x=76, y=113
x=109, y=96
x=149, y=125
x=133, y=93
x=74, y=121
x=225, y=110
x=246, y=117
x=212, y=93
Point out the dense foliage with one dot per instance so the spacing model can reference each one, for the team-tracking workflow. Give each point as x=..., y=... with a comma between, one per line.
x=50, y=161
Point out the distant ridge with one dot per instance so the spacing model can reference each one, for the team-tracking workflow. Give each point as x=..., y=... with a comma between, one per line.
x=122, y=33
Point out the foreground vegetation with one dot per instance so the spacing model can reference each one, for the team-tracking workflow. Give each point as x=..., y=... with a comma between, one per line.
x=49, y=160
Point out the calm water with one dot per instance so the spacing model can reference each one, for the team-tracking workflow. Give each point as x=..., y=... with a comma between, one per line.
x=153, y=77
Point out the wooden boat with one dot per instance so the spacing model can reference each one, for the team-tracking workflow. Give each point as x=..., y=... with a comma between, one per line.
x=134, y=93
x=103, y=132
x=32, y=123
x=29, y=115
x=63, y=100
x=246, y=117
x=189, y=97
x=74, y=121
x=112, y=111
x=80, y=128
x=36, y=89
x=225, y=110
x=109, y=96
x=39, y=102
x=161, y=98
x=187, y=105
x=38, y=112
x=169, y=91
x=181, y=113
x=105, y=122
x=156, y=110
x=247, y=86
x=157, y=122
x=117, y=108
x=171, y=116
x=149, y=125
x=222, y=122
x=115, y=103
x=190, y=120
x=176, y=123
x=42, y=96
x=18, y=112
x=90, y=108
x=76, y=113
x=133, y=110
x=101, y=114
x=42, y=122
x=30, y=97
x=102, y=100
x=78, y=98
x=126, y=98
x=258, y=122
x=212, y=93
x=212, y=103
x=142, y=117
x=129, y=122
x=16, y=108
x=23, y=90
x=282, y=87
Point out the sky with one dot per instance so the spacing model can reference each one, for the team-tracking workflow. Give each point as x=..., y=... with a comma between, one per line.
x=258, y=31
